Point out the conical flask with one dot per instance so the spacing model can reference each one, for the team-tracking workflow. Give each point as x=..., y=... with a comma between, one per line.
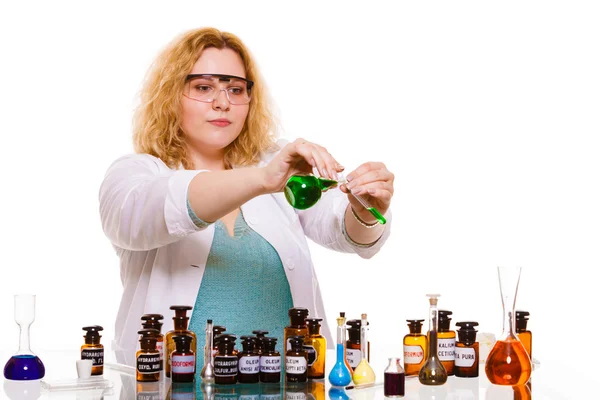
x=508, y=362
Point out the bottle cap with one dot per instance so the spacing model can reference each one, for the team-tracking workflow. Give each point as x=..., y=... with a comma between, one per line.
x=260, y=333
x=218, y=329
x=180, y=311
x=249, y=343
x=467, y=332
x=444, y=320
x=226, y=342
x=296, y=342
x=415, y=325
x=298, y=312
x=521, y=320
x=269, y=343
x=92, y=333
x=182, y=343
x=152, y=317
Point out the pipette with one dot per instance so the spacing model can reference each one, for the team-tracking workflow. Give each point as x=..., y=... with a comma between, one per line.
x=380, y=218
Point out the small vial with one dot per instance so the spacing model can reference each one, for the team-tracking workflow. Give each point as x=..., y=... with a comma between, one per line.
x=353, y=354
x=393, y=379
x=270, y=361
x=153, y=321
x=415, y=345
x=92, y=349
x=259, y=335
x=466, y=364
x=446, y=341
x=183, y=360
x=521, y=329
x=249, y=361
x=147, y=359
x=226, y=361
x=296, y=327
x=296, y=360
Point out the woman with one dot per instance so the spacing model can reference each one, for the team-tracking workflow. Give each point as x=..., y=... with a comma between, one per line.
x=198, y=216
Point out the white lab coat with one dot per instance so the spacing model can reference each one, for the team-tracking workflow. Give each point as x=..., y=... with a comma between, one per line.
x=143, y=207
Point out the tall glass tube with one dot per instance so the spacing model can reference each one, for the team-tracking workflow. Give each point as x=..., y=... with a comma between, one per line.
x=207, y=373
x=340, y=374
x=432, y=372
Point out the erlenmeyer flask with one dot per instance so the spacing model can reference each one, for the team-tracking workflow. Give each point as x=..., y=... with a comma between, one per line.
x=508, y=362
x=24, y=365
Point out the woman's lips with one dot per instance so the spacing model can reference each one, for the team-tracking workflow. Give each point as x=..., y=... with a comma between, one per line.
x=220, y=122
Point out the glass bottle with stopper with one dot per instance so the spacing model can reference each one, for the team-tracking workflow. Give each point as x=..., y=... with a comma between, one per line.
x=340, y=374
x=180, y=327
x=92, y=349
x=432, y=372
x=523, y=334
x=154, y=321
x=415, y=346
x=297, y=327
x=363, y=373
x=466, y=364
x=24, y=365
x=508, y=362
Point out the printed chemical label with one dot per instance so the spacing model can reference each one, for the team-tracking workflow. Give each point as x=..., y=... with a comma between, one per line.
x=353, y=356
x=148, y=363
x=465, y=357
x=413, y=354
x=226, y=366
x=270, y=364
x=295, y=396
x=96, y=355
x=295, y=365
x=183, y=364
x=446, y=349
x=249, y=365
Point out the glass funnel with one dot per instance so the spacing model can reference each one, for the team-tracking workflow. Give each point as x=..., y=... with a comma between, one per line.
x=24, y=365
x=508, y=362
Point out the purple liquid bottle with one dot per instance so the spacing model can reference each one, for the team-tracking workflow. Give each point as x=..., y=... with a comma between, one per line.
x=393, y=379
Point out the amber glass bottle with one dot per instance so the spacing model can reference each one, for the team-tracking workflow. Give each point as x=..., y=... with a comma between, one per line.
x=183, y=360
x=270, y=361
x=217, y=330
x=353, y=354
x=147, y=359
x=92, y=349
x=259, y=335
x=296, y=360
x=415, y=345
x=226, y=361
x=521, y=329
x=249, y=361
x=315, y=346
x=296, y=327
x=154, y=321
x=180, y=325
x=446, y=341
x=466, y=364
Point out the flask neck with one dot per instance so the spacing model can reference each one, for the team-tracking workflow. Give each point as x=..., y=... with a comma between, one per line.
x=24, y=340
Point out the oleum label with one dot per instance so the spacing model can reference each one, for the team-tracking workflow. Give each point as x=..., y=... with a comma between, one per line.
x=226, y=365
x=96, y=355
x=465, y=357
x=446, y=349
x=311, y=354
x=148, y=363
x=249, y=365
x=413, y=354
x=353, y=356
x=270, y=364
x=295, y=365
x=183, y=364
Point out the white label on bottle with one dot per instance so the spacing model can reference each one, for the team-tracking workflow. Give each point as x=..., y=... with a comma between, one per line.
x=353, y=356
x=183, y=364
x=295, y=365
x=465, y=357
x=446, y=349
x=249, y=365
x=249, y=397
x=413, y=354
x=270, y=364
x=295, y=396
x=96, y=355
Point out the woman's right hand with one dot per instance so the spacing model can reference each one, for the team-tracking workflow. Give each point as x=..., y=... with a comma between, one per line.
x=299, y=158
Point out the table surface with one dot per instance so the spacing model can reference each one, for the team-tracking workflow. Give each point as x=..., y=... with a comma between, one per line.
x=60, y=366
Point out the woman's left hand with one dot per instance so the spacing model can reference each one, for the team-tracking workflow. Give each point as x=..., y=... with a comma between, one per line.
x=374, y=183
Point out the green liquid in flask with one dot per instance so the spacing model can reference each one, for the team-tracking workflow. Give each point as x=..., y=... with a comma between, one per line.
x=304, y=191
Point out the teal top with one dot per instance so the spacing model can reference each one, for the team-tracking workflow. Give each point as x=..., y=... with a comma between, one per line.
x=244, y=287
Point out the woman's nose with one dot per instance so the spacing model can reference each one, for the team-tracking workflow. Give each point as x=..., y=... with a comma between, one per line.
x=221, y=102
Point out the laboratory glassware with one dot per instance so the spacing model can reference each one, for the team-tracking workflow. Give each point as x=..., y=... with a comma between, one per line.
x=340, y=374
x=432, y=372
x=363, y=374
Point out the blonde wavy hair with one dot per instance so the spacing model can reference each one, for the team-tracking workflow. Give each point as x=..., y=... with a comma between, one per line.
x=157, y=120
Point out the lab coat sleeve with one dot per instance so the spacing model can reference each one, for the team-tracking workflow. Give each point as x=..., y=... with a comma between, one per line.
x=143, y=203
x=323, y=224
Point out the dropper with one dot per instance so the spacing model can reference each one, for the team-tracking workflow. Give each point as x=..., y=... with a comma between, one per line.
x=363, y=202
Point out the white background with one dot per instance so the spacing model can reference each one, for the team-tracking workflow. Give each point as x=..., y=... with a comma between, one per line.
x=486, y=113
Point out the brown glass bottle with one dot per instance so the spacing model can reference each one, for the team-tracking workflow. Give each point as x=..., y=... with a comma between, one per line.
x=183, y=360
x=296, y=327
x=466, y=353
x=521, y=329
x=249, y=361
x=153, y=321
x=270, y=361
x=217, y=330
x=315, y=346
x=180, y=327
x=353, y=354
x=296, y=360
x=92, y=349
x=415, y=345
x=226, y=361
x=147, y=359
x=259, y=335
x=446, y=341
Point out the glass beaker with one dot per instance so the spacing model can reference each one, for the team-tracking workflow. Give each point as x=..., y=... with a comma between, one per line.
x=24, y=365
x=508, y=362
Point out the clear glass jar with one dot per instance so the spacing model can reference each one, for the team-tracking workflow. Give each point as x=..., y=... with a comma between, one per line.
x=393, y=379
